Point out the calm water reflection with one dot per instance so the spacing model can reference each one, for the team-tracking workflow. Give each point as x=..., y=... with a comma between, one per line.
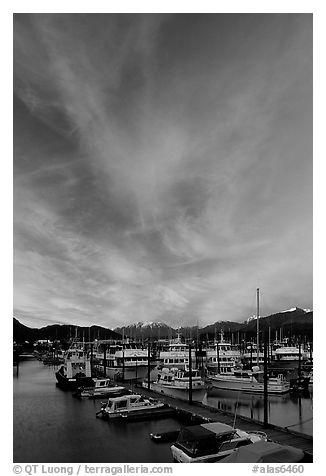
x=289, y=410
x=50, y=426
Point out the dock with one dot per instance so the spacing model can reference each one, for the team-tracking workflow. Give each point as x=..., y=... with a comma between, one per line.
x=199, y=412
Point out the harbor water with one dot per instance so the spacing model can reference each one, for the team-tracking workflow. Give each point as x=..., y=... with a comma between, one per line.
x=50, y=426
x=293, y=411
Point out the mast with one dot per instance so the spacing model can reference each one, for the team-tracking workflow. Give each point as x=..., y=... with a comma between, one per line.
x=258, y=326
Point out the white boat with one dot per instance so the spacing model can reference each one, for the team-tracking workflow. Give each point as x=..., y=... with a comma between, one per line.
x=175, y=383
x=250, y=355
x=223, y=356
x=210, y=442
x=129, y=406
x=76, y=369
x=100, y=388
x=123, y=361
x=289, y=354
x=250, y=381
x=176, y=355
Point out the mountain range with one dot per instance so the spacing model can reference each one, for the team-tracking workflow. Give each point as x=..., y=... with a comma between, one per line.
x=293, y=323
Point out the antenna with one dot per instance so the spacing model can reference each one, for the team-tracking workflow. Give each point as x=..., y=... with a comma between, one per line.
x=258, y=327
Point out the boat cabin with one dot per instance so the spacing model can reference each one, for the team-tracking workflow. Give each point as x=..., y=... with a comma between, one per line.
x=207, y=443
x=125, y=403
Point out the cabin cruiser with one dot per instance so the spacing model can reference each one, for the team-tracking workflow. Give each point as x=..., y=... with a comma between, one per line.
x=129, y=406
x=123, y=360
x=100, y=388
x=289, y=354
x=175, y=382
x=76, y=369
x=268, y=452
x=176, y=355
x=249, y=381
x=210, y=442
x=250, y=355
x=222, y=356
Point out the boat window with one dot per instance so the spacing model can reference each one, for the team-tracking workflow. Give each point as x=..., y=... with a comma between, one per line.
x=244, y=375
x=121, y=404
x=228, y=445
x=102, y=384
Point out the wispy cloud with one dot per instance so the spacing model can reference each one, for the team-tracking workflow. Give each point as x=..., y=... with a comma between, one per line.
x=158, y=176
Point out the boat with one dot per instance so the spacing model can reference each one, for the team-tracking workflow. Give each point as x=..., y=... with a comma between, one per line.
x=250, y=355
x=176, y=354
x=222, y=356
x=210, y=442
x=100, y=388
x=249, y=381
x=76, y=370
x=289, y=355
x=130, y=406
x=175, y=383
x=267, y=452
x=123, y=360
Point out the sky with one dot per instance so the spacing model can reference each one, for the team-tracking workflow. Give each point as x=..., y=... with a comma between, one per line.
x=162, y=167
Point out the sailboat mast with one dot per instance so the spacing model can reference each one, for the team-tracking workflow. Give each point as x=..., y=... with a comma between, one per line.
x=258, y=326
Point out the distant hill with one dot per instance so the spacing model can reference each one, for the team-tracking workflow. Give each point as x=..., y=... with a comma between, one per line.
x=63, y=333
x=294, y=323
x=145, y=330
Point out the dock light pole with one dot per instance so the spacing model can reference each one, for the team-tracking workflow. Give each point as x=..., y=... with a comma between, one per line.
x=257, y=350
x=190, y=376
x=123, y=361
x=91, y=361
x=104, y=361
x=265, y=385
x=299, y=366
x=149, y=366
x=218, y=358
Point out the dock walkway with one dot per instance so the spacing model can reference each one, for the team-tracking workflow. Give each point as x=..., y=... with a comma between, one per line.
x=275, y=433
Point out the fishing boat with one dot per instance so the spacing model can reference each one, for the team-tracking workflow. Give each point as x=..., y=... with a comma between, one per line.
x=268, y=452
x=175, y=383
x=210, y=442
x=250, y=355
x=222, y=356
x=249, y=381
x=123, y=360
x=176, y=354
x=289, y=354
x=100, y=388
x=76, y=370
x=130, y=406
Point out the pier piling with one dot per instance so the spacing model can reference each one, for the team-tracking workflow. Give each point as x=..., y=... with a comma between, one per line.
x=190, y=376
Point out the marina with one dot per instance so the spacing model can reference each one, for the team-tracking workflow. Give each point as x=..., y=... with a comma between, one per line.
x=53, y=411
x=162, y=254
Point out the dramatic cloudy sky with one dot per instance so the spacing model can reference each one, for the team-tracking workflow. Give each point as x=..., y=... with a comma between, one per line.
x=162, y=167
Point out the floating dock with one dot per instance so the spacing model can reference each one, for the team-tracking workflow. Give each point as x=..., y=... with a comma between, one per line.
x=199, y=412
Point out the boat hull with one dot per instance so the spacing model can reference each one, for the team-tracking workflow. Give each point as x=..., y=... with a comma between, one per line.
x=128, y=373
x=71, y=383
x=105, y=393
x=250, y=387
x=198, y=393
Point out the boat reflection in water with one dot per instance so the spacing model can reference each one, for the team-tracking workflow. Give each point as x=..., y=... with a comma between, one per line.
x=286, y=410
